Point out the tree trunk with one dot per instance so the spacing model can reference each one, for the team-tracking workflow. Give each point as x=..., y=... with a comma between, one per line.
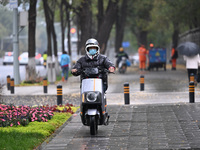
x=175, y=35
x=68, y=33
x=48, y=29
x=85, y=24
x=31, y=70
x=49, y=16
x=63, y=25
x=120, y=25
x=100, y=14
x=106, y=26
x=142, y=38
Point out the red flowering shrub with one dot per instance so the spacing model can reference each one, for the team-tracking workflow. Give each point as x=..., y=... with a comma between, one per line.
x=61, y=108
x=11, y=115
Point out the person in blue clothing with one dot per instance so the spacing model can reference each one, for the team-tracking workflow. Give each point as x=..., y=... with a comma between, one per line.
x=64, y=62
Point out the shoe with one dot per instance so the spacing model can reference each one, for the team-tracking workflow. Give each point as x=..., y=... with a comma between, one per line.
x=63, y=79
x=173, y=68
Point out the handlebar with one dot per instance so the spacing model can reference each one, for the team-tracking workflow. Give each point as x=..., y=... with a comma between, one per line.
x=91, y=71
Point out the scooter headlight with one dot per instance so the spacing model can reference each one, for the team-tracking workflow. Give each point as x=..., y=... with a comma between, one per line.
x=91, y=96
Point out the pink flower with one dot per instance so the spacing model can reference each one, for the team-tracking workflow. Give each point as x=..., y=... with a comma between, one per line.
x=18, y=123
x=33, y=115
x=3, y=119
x=11, y=124
x=32, y=119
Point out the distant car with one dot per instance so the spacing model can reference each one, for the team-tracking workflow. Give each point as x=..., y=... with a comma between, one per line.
x=23, y=58
x=8, y=58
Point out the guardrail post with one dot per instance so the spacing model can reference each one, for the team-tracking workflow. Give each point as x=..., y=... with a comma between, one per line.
x=126, y=93
x=12, y=86
x=8, y=82
x=59, y=94
x=191, y=92
x=142, y=83
x=45, y=85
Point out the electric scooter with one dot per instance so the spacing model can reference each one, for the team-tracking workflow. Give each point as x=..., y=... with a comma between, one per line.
x=122, y=65
x=93, y=100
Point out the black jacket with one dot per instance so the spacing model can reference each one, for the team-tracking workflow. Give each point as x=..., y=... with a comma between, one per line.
x=99, y=61
x=121, y=54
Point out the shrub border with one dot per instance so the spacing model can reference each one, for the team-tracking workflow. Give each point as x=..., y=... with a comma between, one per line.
x=56, y=132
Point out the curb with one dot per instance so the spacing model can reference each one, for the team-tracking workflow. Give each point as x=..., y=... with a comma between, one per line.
x=56, y=132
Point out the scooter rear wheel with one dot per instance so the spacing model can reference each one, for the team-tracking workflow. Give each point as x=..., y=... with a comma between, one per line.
x=93, y=125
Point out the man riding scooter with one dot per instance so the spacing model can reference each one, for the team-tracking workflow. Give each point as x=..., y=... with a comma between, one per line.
x=120, y=55
x=93, y=68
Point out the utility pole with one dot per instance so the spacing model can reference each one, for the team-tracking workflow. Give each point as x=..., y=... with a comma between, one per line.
x=16, y=46
x=14, y=5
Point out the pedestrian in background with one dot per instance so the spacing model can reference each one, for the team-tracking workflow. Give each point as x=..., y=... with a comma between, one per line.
x=44, y=59
x=151, y=46
x=142, y=57
x=64, y=62
x=174, y=56
x=192, y=65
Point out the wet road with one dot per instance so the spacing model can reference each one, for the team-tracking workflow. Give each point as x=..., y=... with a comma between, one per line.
x=155, y=81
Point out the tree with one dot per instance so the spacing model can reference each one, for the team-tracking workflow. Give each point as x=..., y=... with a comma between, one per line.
x=106, y=25
x=51, y=35
x=139, y=19
x=31, y=70
x=104, y=21
x=85, y=21
x=120, y=24
x=65, y=8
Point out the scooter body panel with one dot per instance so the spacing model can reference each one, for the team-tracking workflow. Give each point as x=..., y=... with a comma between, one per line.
x=92, y=84
x=92, y=88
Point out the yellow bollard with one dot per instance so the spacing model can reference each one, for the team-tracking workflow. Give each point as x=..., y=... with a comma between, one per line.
x=191, y=92
x=12, y=86
x=45, y=85
x=142, y=83
x=126, y=93
x=59, y=94
x=8, y=82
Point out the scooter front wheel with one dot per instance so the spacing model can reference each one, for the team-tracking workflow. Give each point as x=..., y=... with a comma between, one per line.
x=93, y=125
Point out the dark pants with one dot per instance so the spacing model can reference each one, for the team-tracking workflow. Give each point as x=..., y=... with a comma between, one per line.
x=194, y=71
x=65, y=71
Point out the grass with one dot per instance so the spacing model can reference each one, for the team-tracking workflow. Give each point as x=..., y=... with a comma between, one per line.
x=31, y=136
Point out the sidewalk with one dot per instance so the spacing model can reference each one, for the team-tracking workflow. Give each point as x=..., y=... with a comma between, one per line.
x=141, y=127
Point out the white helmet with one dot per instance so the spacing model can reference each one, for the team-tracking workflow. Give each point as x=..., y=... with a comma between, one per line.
x=92, y=43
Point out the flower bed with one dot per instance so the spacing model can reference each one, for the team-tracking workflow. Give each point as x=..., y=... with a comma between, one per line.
x=11, y=115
